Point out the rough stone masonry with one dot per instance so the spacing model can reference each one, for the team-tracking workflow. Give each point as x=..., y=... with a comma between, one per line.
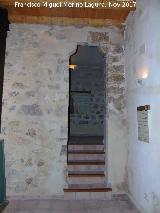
x=35, y=105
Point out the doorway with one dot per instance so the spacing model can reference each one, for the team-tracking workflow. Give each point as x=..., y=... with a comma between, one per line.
x=87, y=123
x=86, y=92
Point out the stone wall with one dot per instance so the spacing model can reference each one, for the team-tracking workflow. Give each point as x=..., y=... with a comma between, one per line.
x=35, y=104
x=143, y=87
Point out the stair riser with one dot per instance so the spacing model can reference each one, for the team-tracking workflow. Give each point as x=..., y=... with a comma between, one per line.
x=86, y=180
x=86, y=167
x=86, y=157
x=85, y=147
x=88, y=196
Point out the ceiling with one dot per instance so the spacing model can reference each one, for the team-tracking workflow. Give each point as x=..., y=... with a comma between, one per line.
x=37, y=12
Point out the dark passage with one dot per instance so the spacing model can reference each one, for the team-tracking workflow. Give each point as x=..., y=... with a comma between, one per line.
x=87, y=92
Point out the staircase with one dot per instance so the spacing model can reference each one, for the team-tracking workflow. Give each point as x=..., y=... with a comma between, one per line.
x=86, y=169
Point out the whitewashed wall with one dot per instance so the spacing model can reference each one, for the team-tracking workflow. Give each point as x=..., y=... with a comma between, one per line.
x=142, y=54
x=35, y=106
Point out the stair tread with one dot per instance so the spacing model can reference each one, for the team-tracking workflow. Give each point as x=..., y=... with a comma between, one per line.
x=87, y=187
x=87, y=190
x=85, y=140
x=85, y=143
x=86, y=152
x=85, y=173
x=96, y=162
x=90, y=185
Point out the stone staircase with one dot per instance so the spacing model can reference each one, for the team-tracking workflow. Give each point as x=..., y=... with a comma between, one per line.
x=86, y=169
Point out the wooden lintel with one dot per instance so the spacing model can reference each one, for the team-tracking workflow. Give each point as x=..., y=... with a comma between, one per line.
x=70, y=13
x=65, y=15
x=100, y=4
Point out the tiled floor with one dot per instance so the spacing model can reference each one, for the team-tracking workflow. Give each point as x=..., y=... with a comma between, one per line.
x=119, y=204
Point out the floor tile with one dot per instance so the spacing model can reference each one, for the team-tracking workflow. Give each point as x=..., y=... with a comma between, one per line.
x=23, y=211
x=60, y=204
x=42, y=211
x=109, y=203
x=76, y=205
x=130, y=211
x=118, y=204
x=94, y=211
x=8, y=210
x=111, y=210
x=44, y=204
x=79, y=211
x=61, y=211
x=91, y=204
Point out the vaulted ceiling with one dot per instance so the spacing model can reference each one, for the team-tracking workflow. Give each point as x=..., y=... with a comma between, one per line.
x=69, y=12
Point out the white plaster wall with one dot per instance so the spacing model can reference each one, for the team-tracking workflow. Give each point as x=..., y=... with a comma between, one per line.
x=143, y=50
x=35, y=104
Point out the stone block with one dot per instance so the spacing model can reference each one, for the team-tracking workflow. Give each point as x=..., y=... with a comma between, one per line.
x=97, y=37
x=31, y=132
x=117, y=77
x=30, y=93
x=116, y=38
x=117, y=49
x=117, y=69
x=18, y=85
x=113, y=59
x=64, y=150
x=40, y=163
x=33, y=110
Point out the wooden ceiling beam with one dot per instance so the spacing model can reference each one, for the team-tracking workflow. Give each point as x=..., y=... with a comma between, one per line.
x=102, y=4
x=65, y=15
x=70, y=13
x=64, y=21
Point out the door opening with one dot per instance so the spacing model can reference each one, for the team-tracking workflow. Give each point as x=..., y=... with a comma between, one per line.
x=86, y=92
x=87, y=124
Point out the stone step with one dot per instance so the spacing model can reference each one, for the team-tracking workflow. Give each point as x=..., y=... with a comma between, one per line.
x=83, y=156
x=89, y=142
x=86, y=162
x=88, y=187
x=85, y=167
x=86, y=152
x=86, y=179
x=85, y=173
x=95, y=194
x=85, y=147
x=88, y=192
x=85, y=140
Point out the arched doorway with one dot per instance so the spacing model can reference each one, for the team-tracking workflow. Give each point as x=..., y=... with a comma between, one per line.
x=86, y=122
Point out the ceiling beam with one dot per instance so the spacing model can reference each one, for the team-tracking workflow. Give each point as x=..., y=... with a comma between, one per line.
x=65, y=15
x=64, y=21
x=101, y=4
x=70, y=13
